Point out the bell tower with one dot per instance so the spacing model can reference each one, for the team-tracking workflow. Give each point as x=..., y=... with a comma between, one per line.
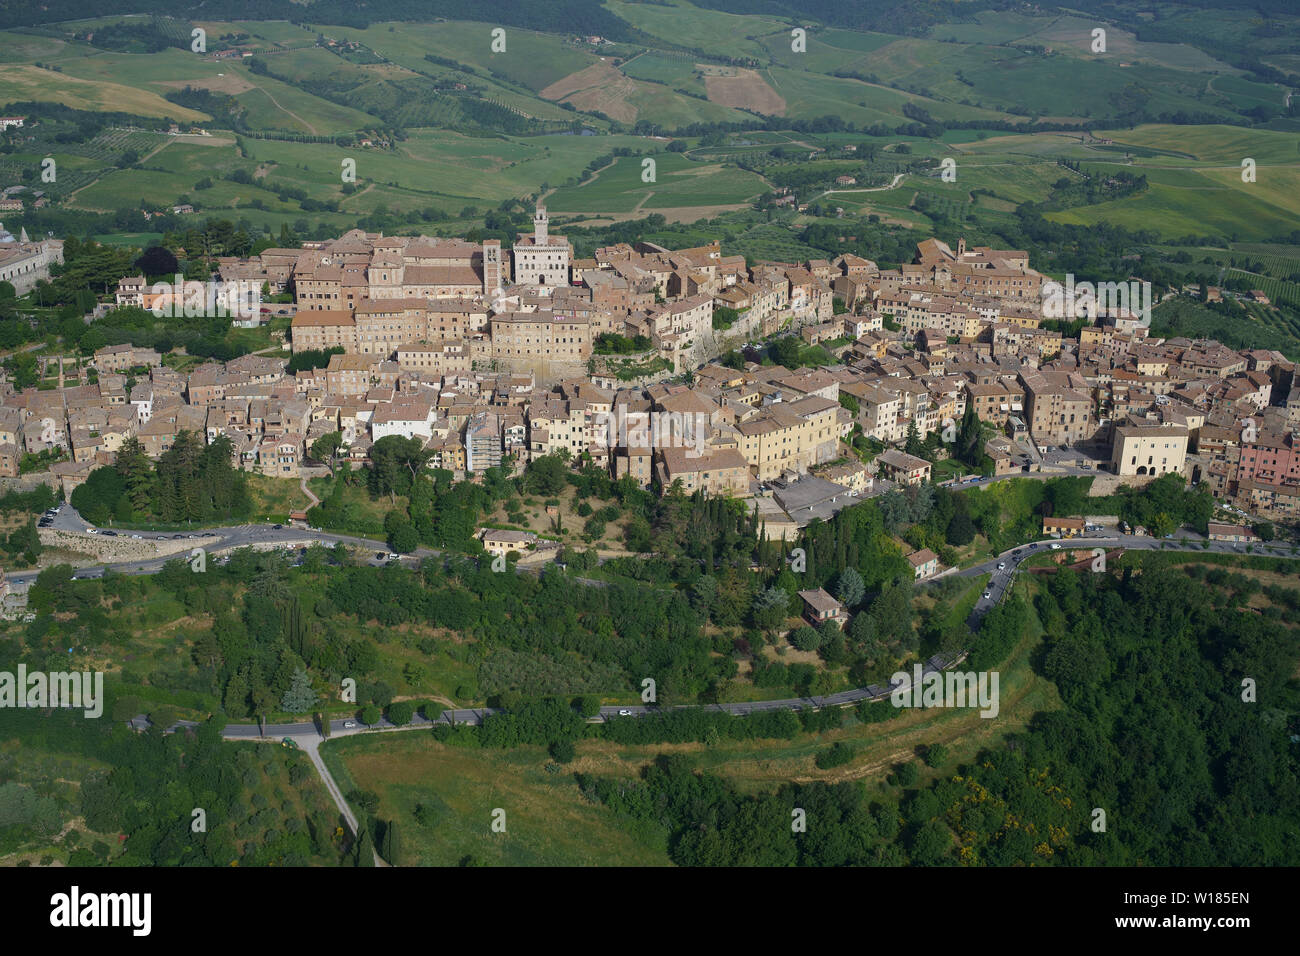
x=491, y=266
x=539, y=226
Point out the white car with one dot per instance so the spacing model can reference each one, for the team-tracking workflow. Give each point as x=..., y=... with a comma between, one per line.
x=92, y=531
x=1056, y=547
x=987, y=595
x=625, y=713
x=349, y=725
x=1002, y=565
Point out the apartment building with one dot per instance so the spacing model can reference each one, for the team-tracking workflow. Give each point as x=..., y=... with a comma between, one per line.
x=1148, y=449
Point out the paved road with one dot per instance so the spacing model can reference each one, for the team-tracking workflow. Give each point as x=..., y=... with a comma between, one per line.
x=212, y=540
x=1005, y=566
x=346, y=727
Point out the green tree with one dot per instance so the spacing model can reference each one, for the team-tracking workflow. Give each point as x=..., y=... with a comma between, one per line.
x=936, y=755
x=395, y=463
x=400, y=713
x=301, y=696
x=969, y=448
x=850, y=588
x=960, y=530
x=931, y=845
x=914, y=445
x=326, y=447
x=771, y=608
x=547, y=475
x=364, y=851
x=805, y=638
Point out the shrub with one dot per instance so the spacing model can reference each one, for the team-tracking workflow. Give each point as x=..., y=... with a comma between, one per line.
x=836, y=755
x=401, y=712
x=906, y=774
x=805, y=638
x=563, y=751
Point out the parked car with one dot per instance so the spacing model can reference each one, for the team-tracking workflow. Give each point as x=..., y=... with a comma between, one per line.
x=987, y=595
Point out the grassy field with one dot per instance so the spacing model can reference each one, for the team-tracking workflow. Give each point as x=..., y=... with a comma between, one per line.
x=547, y=821
x=728, y=34
x=679, y=182
x=678, y=72
x=1193, y=202
x=22, y=82
x=1215, y=145
x=1074, y=35
x=274, y=498
x=530, y=60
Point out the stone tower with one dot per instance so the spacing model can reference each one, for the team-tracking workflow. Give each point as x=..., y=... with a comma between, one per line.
x=539, y=226
x=491, y=266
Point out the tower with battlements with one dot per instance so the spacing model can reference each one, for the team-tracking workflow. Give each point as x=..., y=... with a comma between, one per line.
x=542, y=259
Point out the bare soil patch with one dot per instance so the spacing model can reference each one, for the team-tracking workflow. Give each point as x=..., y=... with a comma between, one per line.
x=746, y=90
x=599, y=87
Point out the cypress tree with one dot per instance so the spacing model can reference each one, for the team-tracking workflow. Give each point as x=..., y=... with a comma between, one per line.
x=364, y=851
x=392, y=846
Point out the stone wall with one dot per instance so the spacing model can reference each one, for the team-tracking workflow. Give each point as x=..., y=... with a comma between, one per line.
x=119, y=548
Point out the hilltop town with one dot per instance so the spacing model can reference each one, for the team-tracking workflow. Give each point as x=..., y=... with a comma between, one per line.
x=492, y=357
